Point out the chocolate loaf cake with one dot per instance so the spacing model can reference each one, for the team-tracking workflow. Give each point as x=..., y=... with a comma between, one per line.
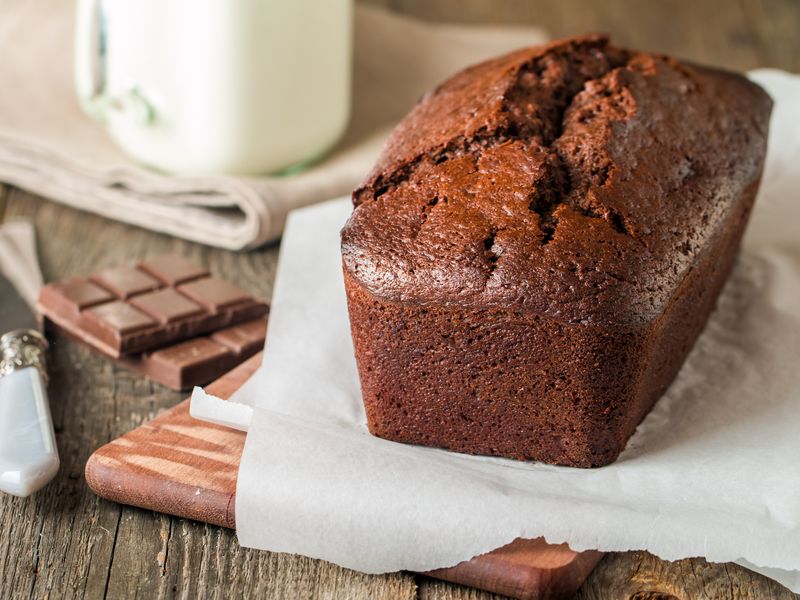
x=540, y=244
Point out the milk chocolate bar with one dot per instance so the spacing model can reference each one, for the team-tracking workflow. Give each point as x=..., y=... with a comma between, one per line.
x=201, y=360
x=129, y=310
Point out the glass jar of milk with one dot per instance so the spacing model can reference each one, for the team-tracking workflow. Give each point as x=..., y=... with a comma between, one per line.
x=216, y=86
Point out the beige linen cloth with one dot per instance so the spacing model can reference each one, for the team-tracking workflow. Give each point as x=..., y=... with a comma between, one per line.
x=49, y=147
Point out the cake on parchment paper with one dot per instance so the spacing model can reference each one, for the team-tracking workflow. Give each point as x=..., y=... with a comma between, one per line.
x=541, y=242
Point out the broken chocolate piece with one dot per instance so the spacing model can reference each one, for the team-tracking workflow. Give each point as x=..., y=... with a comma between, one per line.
x=243, y=340
x=129, y=310
x=201, y=360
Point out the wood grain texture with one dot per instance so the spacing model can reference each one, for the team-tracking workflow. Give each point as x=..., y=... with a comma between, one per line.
x=176, y=464
x=181, y=466
x=525, y=569
x=642, y=576
x=65, y=542
x=775, y=30
x=737, y=34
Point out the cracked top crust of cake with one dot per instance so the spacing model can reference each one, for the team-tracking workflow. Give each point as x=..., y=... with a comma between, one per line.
x=575, y=180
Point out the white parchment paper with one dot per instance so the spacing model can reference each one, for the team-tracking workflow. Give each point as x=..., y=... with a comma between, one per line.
x=712, y=471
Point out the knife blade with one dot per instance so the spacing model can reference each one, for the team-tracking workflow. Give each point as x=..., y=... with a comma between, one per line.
x=14, y=311
x=28, y=451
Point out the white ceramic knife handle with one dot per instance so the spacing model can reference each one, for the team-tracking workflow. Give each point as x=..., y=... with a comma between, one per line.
x=28, y=451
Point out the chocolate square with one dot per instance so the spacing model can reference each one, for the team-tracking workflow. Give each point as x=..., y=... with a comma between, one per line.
x=167, y=305
x=125, y=281
x=189, y=353
x=198, y=359
x=213, y=293
x=172, y=268
x=246, y=338
x=120, y=316
x=80, y=293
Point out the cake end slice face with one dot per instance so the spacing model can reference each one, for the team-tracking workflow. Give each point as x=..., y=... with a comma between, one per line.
x=540, y=244
x=493, y=382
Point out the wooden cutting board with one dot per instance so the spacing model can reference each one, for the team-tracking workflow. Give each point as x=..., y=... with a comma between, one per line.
x=184, y=467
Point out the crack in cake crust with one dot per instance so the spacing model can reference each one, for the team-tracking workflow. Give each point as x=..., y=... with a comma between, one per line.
x=575, y=158
x=540, y=244
x=528, y=119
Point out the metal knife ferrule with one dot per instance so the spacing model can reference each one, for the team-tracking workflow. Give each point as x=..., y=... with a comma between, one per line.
x=23, y=348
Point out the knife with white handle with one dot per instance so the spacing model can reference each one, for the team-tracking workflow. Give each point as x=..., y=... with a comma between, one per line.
x=28, y=451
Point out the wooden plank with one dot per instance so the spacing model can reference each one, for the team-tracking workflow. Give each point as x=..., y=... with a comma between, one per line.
x=714, y=32
x=677, y=27
x=434, y=589
x=642, y=576
x=66, y=542
x=148, y=535
x=501, y=12
x=775, y=26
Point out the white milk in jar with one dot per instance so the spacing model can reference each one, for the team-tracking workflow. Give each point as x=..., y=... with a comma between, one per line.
x=217, y=86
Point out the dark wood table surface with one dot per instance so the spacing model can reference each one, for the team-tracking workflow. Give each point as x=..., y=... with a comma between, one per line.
x=65, y=542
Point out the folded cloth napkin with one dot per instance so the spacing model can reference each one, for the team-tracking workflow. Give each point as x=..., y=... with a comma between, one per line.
x=712, y=471
x=49, y=147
